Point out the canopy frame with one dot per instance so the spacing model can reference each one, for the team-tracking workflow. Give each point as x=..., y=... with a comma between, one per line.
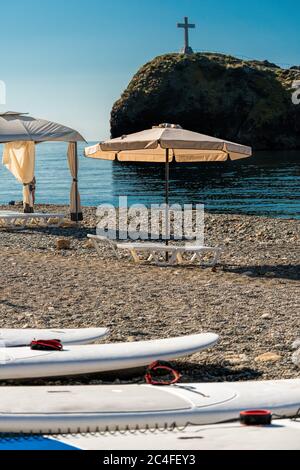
x=19, y=127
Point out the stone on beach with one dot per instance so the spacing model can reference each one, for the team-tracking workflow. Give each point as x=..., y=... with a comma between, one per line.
x=266, y=316
x=63, y=244
x=89, y=244
x=296, y=358
x=236, y=360
x=268, y=357
x=296, y=344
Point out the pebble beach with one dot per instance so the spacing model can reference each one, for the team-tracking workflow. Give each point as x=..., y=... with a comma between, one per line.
x=251, y=299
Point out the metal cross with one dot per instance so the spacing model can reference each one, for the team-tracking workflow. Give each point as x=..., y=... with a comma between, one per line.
x=186, y=26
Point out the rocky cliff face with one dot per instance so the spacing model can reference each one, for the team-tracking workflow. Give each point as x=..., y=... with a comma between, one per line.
x=245, y=101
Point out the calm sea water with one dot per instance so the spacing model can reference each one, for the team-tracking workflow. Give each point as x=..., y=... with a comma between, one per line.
x=267, y=184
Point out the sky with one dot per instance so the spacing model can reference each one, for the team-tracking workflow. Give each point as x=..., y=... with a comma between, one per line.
x=69, y=61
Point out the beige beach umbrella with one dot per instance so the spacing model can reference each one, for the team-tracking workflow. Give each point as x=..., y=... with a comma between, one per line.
x=19, y=133
x=167, y=143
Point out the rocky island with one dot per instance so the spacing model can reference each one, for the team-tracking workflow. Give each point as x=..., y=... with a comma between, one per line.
x=244, y=101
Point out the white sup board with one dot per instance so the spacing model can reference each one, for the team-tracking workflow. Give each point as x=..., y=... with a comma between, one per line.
x=23, y=363
x=109, y=408
x=12, y=338
x=281, y=435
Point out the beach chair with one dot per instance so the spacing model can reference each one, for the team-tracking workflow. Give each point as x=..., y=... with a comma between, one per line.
x=99, y=241
x=134, y=249
x=18, y=220
x=156, y=252
x=195, y=252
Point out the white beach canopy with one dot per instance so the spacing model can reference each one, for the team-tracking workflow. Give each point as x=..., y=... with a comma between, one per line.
x=167, y=143
x=19, y=133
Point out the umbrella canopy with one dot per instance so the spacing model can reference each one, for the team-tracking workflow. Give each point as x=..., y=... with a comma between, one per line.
x=151, y=145
x=19, y=133
x=15, y=126
x=167, y=143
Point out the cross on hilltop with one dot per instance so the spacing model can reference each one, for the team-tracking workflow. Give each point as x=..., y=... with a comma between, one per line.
x=186, y=26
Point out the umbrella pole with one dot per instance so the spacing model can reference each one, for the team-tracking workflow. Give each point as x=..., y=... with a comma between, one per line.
x=76, y=183
x=167, y=187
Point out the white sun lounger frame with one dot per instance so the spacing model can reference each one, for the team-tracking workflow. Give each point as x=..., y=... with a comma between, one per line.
x=17, y=220
x=154, y=251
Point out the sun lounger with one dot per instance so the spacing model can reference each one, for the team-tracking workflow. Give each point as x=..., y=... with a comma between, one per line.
x=18, y=220
x=194, y=252
x=156, y=252
x=117, y=248
x=99, y=242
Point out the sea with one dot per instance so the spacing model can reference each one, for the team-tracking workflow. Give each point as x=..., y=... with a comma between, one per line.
x=267, y=184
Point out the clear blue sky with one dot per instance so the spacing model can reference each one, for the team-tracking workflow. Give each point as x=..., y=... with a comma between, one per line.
x=70, y=60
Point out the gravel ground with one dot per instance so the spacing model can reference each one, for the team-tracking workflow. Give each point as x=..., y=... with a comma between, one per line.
x=251, y=300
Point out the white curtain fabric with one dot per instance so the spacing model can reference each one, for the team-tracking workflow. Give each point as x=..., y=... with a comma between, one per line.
x=76, y=210
x=19, y=159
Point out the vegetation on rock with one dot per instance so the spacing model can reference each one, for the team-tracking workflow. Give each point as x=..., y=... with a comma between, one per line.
x=244, y=101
